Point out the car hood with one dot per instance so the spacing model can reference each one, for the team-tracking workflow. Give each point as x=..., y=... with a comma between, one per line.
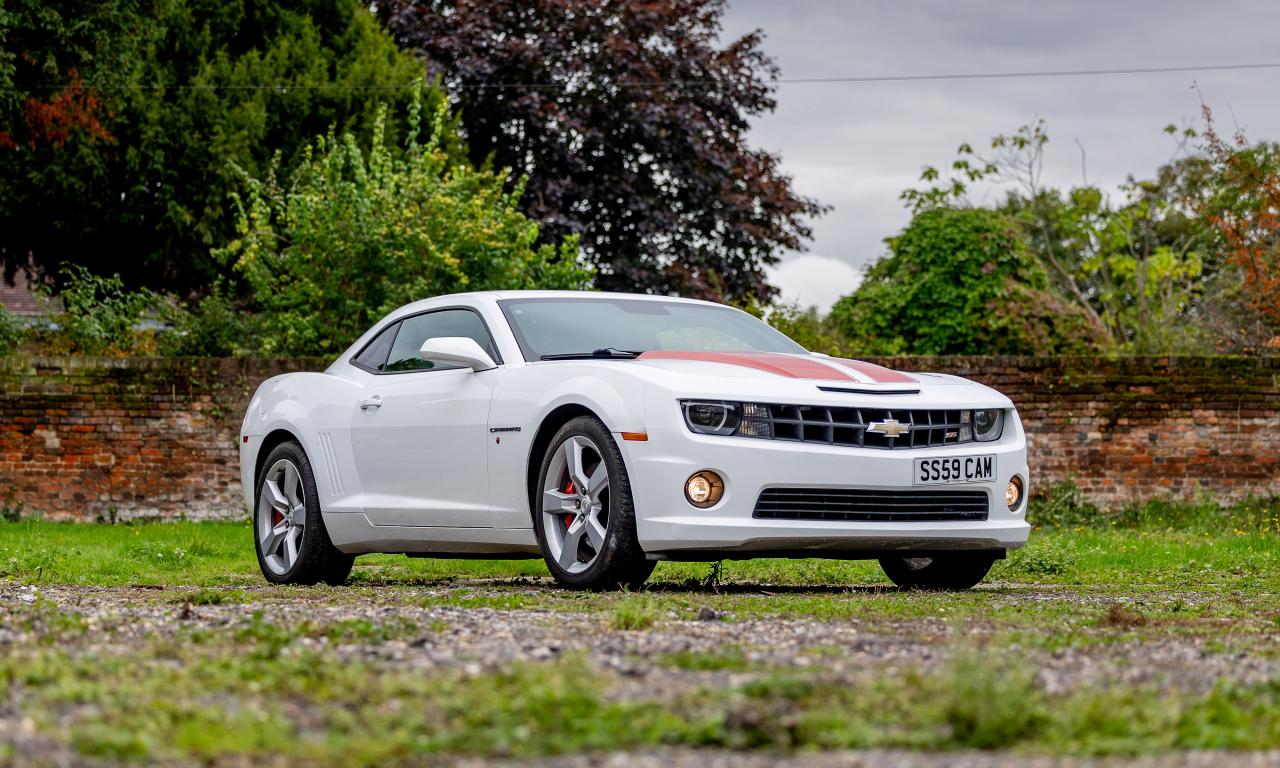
x=816, y=379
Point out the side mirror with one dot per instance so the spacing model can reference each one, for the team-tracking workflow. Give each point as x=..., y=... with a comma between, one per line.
x=456, y=349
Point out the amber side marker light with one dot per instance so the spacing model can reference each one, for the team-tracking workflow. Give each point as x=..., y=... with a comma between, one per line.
x=636, y=437
x=1013, y=493
x=703, y=489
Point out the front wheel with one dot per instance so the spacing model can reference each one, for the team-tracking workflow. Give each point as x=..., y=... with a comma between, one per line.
x=293, y=545
x=947, y=571
x=584, y=516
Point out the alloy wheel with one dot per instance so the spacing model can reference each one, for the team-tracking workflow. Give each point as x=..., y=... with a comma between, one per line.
x=575, y=504
x=282, y=516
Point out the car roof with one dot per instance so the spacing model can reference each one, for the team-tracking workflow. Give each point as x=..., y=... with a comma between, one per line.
x=445, y=299
x=500, y=295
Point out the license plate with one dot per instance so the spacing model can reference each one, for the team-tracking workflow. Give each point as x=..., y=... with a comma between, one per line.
x=957, y=469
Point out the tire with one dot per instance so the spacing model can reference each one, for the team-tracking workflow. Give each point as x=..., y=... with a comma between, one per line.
x=950, y=571
x=587, y=535
x=289, y=535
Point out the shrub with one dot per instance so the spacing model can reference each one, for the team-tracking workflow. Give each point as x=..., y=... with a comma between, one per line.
x=211, y=327
x=809, y=329
x=99, y=316
x=12, y=331
x=1039, y=559
x=1062, y=506
x=356, y=233
x=960, y=281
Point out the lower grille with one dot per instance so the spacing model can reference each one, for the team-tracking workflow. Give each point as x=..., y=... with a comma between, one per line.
x=853, y=504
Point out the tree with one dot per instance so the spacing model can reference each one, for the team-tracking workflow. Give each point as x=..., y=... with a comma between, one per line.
x=126, y=118
x=353, y=234
x=629, y=121
x=960, y=281
x=810, y=330
x=1244, y=209
x=1137, y=270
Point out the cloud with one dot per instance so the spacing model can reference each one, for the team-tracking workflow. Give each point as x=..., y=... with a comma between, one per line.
x=856, y=146
x=814, y=281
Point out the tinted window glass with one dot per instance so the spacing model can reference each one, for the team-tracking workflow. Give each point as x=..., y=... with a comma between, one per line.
x=447, y=322
x=374, y=355
x=567, y=326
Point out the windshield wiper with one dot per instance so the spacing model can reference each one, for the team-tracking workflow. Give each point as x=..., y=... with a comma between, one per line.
x=605, y=353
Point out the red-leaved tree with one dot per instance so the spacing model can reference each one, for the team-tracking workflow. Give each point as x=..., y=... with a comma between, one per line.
x=630, y=121
x=1245, y=209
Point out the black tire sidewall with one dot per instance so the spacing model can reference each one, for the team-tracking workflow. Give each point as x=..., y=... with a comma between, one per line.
x=318, y=560
x=950, y=571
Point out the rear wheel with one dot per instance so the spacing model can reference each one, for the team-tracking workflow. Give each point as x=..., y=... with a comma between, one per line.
x=585, y=520
x=948, y=571
x=293, y=545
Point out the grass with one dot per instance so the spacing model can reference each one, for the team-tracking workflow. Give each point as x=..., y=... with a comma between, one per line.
x=189, y=702
x=634, y=612
x=248, y=688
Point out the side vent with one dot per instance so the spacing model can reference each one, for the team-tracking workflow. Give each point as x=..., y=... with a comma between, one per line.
x=331, y=463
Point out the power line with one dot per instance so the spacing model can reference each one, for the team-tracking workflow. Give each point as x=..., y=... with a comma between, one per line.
x=1042, y=73
x=654, y=84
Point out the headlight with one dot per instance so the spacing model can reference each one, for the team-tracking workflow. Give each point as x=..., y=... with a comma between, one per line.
x=987, y=425
x=712, y=417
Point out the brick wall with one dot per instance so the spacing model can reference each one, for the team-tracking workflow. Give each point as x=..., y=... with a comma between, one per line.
x=84, y=438
x=1138, y=428
x=95, y=437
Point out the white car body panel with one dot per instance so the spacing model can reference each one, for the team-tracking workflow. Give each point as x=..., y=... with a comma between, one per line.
x=442, y=465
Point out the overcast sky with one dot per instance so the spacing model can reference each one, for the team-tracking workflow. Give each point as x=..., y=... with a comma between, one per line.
x=856, y=146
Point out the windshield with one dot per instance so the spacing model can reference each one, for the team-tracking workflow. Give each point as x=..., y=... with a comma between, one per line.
x=547, y=326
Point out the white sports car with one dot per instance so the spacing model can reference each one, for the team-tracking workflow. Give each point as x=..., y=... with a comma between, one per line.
x=605, y=432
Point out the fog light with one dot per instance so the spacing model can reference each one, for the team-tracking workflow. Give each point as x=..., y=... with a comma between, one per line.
x=703, y=489
x=1013, y=493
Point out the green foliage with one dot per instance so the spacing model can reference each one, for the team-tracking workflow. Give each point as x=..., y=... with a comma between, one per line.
x=12, y=331
x=810, y=330
x=1134, y=272
x=634, y=612
x=991, y=706
x=959, y=281
x=143, y=107
x=1063, y=505
x=662, y=183
x=212, y=326
x=99, y=316
x=355, y=233
x=1139, y=267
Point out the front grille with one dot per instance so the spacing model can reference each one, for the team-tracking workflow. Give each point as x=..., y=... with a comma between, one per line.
x=848, y=426
x=853, y=504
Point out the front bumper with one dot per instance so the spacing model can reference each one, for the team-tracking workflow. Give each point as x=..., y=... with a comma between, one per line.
x=668, y=526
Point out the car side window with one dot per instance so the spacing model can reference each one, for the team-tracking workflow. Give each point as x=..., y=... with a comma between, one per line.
x=374, y=355
x=446, y=322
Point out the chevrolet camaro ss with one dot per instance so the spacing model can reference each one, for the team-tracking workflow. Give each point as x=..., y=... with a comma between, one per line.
x=605, y=432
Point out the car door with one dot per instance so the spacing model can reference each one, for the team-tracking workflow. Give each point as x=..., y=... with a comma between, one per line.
x=419, y=429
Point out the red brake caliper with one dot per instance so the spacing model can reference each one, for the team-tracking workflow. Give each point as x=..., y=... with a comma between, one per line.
x=568, y=518
x=276, y=517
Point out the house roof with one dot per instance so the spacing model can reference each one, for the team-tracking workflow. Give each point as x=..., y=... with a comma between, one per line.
x=19, y=298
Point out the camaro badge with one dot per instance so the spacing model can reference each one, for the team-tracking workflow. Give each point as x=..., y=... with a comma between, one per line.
x=889, y=428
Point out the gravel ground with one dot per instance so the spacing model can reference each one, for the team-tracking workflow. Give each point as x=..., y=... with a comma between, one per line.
x=888, y=759
x=479, y=640
x=483, y=639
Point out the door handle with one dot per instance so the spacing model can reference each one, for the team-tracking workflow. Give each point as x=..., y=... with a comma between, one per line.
x=371, y=402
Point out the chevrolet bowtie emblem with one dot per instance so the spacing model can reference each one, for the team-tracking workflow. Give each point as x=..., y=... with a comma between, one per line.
x=889, y=427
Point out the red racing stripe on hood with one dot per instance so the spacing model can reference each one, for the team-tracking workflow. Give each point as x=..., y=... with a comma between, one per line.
x=877, y=373
x=791, y=366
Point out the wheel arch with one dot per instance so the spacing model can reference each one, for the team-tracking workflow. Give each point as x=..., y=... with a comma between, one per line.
x=274, y=438
x=551, y=423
